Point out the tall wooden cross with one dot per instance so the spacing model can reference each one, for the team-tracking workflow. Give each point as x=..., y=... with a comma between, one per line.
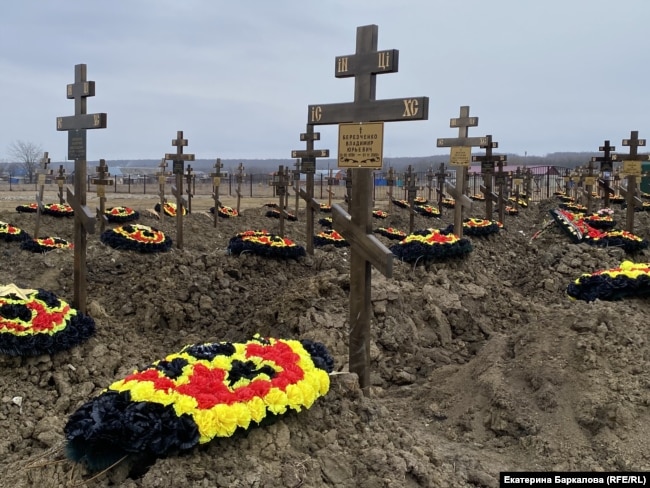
x=216, y=181
x=295, y=173
x=41, y=173
x=606, y=168
x=590, y=182
x=487, y=170
x=101, y=181
x=500, y=182
x=84, y=220
x=461, y=152
x=441, y=176
x=60, y=181
x=239, y=178
x=430, y=175
x=410, y=186
x=307, y=158
x=632, y=170
x=178, y=162
x=330, y=186
x=390, y=182
x=162, y=179
x=356, y=227
x=280, y=183
x=517, y=183
x=189, y=179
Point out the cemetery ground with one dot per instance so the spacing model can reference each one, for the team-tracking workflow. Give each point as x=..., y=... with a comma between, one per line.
x=480, y=364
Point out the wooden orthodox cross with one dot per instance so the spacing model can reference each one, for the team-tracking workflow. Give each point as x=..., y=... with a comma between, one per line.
x=441, y=176
x=487, y=170
x=500, y=182
x=606, y=168
x=60, y=181
x=632, y=170
x=307, y=158
x=162, y=179
x=189, y=179
x=590, y=182
x=295, y=173
x=280, y=183
x=330, y=186
x=216, y=181
x=101, y=181
x=178, y=162
x=461, y=152
x=41, y=173
x=390, y=182
x=84, y=220
x=430, y=176
x=410, y=185
x=356, y=227
x=239, y=178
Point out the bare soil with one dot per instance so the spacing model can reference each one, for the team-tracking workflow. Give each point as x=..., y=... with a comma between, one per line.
x=479, y=365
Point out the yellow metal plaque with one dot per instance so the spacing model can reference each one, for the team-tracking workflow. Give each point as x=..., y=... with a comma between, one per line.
x=460, y=156
x=41, y=179
x=517, y=181
x=590, y=180
x=216, y=180
x=162, y=180
x=632, y=168
x=101, y=191
x=361, y=145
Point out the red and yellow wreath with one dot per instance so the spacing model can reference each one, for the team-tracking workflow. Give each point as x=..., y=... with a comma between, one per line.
x=326, y=221
x=427, y=210
x=11, y=233
x=448, y=202
x=479, y=197
x=480, y=227
x=45, y=244
x=35, y=322
x=137, y=237
x=275, y=213
x=330, y=236
x=264, y=244
x=401, y=203
x=58, y=210
x=629, y=279
x=431, y=244
x=121, y=214
x=379, y=214
x=190, y=397
x=325, y=208
x=29, y=208
x=227, y=212
x=170, y=209
x=391, y=233
x=420, y=201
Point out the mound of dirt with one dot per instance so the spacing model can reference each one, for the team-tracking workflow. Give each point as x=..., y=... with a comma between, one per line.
x=480, y=364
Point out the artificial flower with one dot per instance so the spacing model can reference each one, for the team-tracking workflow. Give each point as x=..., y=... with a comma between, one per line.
x=201, y=392
x=629, y=279
x=137, y=237
x=39, y=323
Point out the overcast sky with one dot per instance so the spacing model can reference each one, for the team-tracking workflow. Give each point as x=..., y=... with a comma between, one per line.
x=542, y=76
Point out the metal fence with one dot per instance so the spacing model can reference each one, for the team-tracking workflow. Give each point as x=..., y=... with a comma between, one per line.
x=545, y=180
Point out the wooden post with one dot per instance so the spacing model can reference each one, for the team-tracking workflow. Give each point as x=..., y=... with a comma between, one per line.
x=390, y=182
x=239, y=178
x=330, y=185
x=189, y=177
x=606, y=169
x=280, y=182
x=101, y=181
x=631, y=170
x=487, y=170
x=500, y=182
x=517, y=182
x=590, y=182
x=178, y=162
x=216, y=181
x=430, y=175
x=411, y=191
x=84, y=220
x=162, y=179
x=441, y=176
x=461, y=152
x=307, y=158
x=296, y=186
x=356, y=227
x=60, y=181
x=41, y=173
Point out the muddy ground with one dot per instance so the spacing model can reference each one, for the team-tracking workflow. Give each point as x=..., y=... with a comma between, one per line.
x=479, y=365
